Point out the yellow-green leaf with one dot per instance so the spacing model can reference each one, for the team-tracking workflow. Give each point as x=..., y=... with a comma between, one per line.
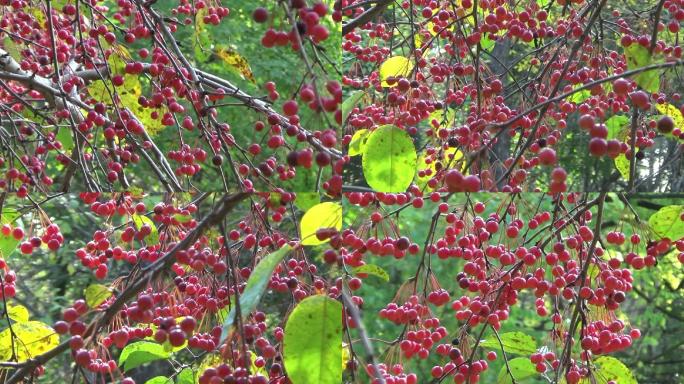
x=96, y=294
x=615, y=125
x=32, y=338
x=521, y=368
x=667, y=222
x=396, y=66
x=513, y=342
x=350, y=102
x=139, y=221
x=389, y=159
x=622, y=165
x=637, y=57
x=312, y=344
x=306, y=200
x=358, y=142
x=608, y=369
x=323, y=215
x=372, y=269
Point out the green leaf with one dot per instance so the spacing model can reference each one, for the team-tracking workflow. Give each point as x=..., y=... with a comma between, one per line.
x=637, y=57
x=350, y=103
x=306, y=200
x=8, y=215
x=96, y=294
x=159, y=380
x=139, y=221
x=372, y=269
x=7, y=245
x=615, y=125
x=609, y=368
x=18, y=313
x=667, y=222
x=182, y=218
x=312, y=344
x=31, y=338
x=580, y=96
x=256, y=285
x=137, y=354
x=64, y=137
x=186, y=376
x=622, y=165
x=521, y=368
x=358, y=142
x=486, y=43
x=513, y=342
x=389, y=159
x=323, y=215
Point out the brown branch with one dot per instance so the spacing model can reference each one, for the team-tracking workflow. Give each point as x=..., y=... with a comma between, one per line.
x=654, y=34
x=366, y=16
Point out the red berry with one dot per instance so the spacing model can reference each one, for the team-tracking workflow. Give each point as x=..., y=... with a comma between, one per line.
x=260, y=15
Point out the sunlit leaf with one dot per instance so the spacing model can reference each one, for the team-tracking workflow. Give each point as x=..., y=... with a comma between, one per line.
x=513, y=342
x=521, y=369
x=323, y=215
x=141, y=352
x=233, y=59
x=8, y=244
x=396, y=66
x=139, y=221
x=18, y=313
x=372, y=269
x=389, y=159
x=622, y=165
x=616, y=126
x=312, y=344
x=637, y=57
x=358, y=142
x=96, y=294
x=667, y=222
x=31, y=338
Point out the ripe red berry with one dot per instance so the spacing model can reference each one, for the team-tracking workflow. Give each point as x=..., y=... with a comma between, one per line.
x=621, y=86
x=260, y=15
x=547, y=156
x=598, y=146
x=639, y=99
x=665, y=124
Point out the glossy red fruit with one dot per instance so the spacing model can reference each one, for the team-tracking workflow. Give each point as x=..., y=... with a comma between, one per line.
x=621, y=86
x=260, y=15
x=598, y=146
x=639, y=99
x=547, y=156
x=665, y=124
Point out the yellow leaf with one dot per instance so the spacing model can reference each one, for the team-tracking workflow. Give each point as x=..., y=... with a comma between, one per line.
x=396, y=66
x=323, y=215
x=345, y=355
x=18, y=313
x=235, y=60
x=32, y=338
